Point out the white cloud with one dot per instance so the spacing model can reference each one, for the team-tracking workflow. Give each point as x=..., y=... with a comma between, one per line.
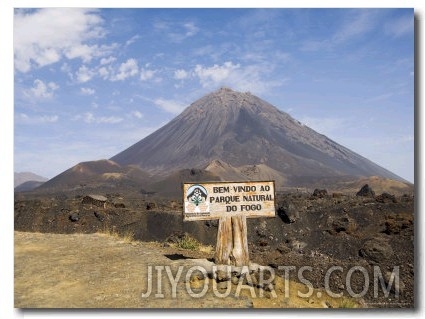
x=132, y=40
x=83, y=51
x=191, y=29
x=65, y=68
x=126, y=70
x=104, y=72
x=180, y=74
x=215, y=74
x=251, y=78
x=137, y=114
x=84, y=74
x=23, y=118
x=361, y=22
x=107, y=60
x=45, y=36
x=90, y=118
x=179, y=32
x=86, y=53
x=43, y=90
x=146, y=74
x=355, y=24
x=87, y=91
x=169, y=105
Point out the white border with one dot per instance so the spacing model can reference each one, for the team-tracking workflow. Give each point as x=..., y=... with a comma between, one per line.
x=6, y=140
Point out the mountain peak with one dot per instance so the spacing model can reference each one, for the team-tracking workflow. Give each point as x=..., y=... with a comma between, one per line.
x=242, y=129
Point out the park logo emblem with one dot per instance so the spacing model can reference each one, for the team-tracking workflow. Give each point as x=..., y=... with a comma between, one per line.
x=196, y=199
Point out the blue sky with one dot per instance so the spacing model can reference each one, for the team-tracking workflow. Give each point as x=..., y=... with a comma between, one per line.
x=90, y=83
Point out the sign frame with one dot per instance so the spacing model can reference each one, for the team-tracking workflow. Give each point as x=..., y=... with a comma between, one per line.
x=251, y=199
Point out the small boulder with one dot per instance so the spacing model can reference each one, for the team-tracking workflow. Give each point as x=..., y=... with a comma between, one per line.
x=386, y=198
x=343, y=224
x=320, y=193
x=150, y=206
x=74, y=217
x=366, y=191
x=376, y=250
x=99, y=216
x=283, y=248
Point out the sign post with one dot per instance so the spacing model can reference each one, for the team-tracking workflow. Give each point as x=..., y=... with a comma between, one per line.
x=231, y=203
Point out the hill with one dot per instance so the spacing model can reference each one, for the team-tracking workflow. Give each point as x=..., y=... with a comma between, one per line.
x=22, y=177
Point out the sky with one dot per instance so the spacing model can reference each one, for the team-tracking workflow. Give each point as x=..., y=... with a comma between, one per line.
x=88, y=83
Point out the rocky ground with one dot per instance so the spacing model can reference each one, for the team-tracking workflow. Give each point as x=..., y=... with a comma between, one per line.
x=360, y=247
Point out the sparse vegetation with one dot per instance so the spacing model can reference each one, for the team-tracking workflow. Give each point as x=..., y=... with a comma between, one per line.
x=188, y=242
x=348, y=303
x=127, y=236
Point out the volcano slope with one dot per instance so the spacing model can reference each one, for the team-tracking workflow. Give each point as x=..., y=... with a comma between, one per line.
x=242, y=129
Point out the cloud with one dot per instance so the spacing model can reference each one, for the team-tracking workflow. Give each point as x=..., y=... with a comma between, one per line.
x=23, y=118
x=83, y=51
x=361, y=22
x=137, y=114
x=177, y=32
x=42, y=90
x=215, y=74
x=104, y=72
x=84, y=74
x=355, y=24
x=253, y=78
x=126, y=70
x=90, y=118
x=180, y=74
x=169, y=105
x=132, y=40
x=107, y=60
x=45, y=36
x=191, y=29
x=146, y=75
x=87, y=91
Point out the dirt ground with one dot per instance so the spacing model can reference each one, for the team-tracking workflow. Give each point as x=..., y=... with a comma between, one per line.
x=102, y=271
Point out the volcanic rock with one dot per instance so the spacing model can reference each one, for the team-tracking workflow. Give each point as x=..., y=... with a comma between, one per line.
x=376, y=250
x=366, y=191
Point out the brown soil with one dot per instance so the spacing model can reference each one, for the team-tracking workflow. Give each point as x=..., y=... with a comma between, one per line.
x=100, y=271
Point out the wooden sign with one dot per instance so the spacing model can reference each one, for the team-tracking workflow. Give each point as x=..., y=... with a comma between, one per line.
x=231, y=203
x=204, y=201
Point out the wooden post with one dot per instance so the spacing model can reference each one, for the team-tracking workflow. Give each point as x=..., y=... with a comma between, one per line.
x=240, y=241
x=224, y=245
x=232, y=241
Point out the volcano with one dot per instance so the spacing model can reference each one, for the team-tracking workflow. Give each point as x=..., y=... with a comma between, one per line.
x=240, y=129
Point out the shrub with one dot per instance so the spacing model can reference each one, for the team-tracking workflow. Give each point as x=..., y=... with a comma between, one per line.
x=188, y=242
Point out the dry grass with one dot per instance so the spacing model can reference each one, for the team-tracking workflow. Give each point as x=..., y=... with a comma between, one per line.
x=348, y=303
x=126, y=237
x=188, y=242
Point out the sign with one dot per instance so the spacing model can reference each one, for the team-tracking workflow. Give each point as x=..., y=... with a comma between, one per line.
x=212, y=200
